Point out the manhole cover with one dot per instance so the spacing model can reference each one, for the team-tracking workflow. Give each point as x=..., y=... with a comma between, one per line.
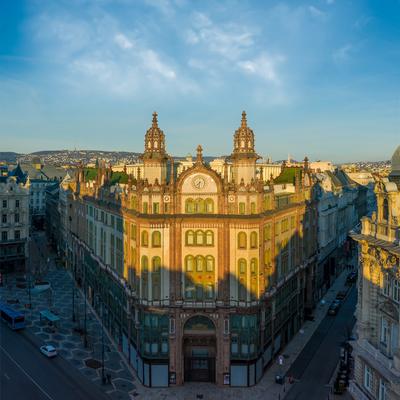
x=92, y=363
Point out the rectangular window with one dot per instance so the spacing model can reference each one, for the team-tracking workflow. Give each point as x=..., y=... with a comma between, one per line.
x=382, y=390
x=242, y=208
x=16, y=203
x=156, y=208
x=4, y=203
x=120, y=227
x=4, y=218
x=386, y=284
x=292, y=222
x=4, y=236
x=133, y=232
x=145, y=207
x=267, y=232
x=368, y=377
x=384, y=331
x=396, y=290
x=276, y=228
x=253, y=207
x=16, y=218
x=17, y=235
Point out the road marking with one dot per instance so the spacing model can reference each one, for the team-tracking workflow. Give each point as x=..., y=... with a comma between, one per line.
x=26, y=374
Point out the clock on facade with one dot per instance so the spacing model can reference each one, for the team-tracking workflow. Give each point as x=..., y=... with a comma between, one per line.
x=198, y=182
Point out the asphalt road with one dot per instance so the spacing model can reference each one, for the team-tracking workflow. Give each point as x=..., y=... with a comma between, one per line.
x=316, y=363
x=27, y=374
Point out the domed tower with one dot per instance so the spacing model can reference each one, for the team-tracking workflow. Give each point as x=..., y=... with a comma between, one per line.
x=244, y=156
x=395, y=174
x=154, y=156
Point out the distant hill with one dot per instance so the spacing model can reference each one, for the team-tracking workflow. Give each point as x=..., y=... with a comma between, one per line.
x=8, y=156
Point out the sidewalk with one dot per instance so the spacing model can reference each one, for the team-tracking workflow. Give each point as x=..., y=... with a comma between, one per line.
x=66, y=339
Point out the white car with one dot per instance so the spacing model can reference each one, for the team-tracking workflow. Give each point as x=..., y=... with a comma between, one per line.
x=48, y=350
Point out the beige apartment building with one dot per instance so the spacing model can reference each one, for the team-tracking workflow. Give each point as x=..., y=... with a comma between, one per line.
x=377, y=349
x=202, y=275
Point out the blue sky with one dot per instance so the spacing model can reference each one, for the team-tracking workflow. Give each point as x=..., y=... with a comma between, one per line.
x=318, y=78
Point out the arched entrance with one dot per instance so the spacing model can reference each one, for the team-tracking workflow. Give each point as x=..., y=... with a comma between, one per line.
x=199, y=349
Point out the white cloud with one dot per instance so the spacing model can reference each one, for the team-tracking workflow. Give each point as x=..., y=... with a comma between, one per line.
x=316, y=12
x=122, y=41
x=266, y=67
x=227, y=40
x=151, y=61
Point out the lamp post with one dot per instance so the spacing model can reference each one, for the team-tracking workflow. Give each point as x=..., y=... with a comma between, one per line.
x=85, y=327
x=103, y=377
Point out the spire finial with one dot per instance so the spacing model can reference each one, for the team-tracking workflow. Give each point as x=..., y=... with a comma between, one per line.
x=244, y=120
x=199, y=153
x=155, y=121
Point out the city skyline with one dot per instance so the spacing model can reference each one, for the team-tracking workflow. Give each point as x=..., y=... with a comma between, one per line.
x=316, y=78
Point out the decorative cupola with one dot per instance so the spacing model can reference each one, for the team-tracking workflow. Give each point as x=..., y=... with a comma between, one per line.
x=154, y=141
x=244, y=156
x=199, y=157
x=154, y=156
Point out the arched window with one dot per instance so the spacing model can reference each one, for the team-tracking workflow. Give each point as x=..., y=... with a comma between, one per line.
x=210, y=264
x=189, y=206
x=156, y=278
x=133, y=257
x=145, y=277
x=242, y=240
x=200, y=240
x=145, y=238
x=267, y=256
x=189, y=263
x=209, y=238
x=156, y=239
x=209, y=206
x=190, y=238
x=199, y=206
x=242, y=279
x=385, y=211
x=253, y=278
x=156, y=264
x=253, y=240
x=199, y=263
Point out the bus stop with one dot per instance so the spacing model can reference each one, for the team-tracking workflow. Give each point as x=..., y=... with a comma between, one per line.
x=47, y=315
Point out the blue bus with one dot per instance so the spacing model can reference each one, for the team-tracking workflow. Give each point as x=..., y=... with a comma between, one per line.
x=14, y=319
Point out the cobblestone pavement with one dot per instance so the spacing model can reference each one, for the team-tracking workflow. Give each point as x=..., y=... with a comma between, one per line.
x=124, y=385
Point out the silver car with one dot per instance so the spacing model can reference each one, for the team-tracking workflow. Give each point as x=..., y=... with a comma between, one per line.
x=48, y=350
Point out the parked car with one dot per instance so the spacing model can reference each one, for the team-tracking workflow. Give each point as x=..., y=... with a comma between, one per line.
x=341, y=295
x=48, y=350
x=351, y=277
x=334, y=307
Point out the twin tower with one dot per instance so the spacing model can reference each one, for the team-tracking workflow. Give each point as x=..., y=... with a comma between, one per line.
x=243, y=158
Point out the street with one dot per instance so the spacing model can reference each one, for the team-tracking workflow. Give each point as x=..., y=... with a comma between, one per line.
x=315, y=365
x=27, y=374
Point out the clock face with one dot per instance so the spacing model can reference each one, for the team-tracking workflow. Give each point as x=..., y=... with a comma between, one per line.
x=166, y=198
x=231, y=199
x=198, y=182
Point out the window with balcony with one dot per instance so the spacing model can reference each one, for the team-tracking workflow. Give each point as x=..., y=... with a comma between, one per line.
x=4, y=236
x=4, y=203
x=4, y=218
x=17, y=235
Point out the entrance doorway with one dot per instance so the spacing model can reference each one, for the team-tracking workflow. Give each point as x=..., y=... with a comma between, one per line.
x=199, y=350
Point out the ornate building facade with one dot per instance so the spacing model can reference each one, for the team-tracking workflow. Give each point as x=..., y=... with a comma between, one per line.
x=377, y=350
x=14, y=224
x=202, y=276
